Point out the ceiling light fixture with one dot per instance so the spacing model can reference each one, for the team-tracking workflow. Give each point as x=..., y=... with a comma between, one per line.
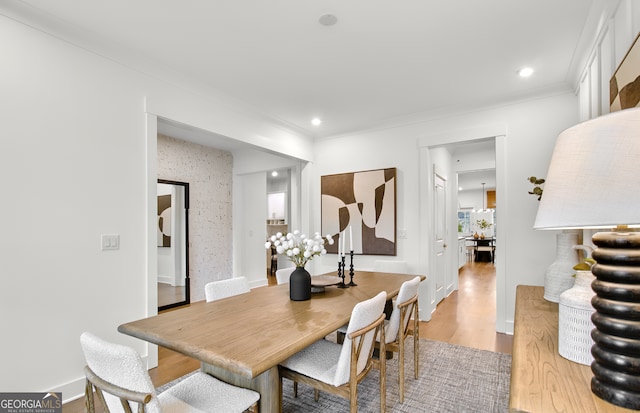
x=525, y=72
x=316, y=122
x=274, y=173
x=328, y=19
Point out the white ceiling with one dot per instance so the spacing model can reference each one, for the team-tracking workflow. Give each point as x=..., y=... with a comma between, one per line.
x=383, y=62
x=192, y=134
x=472, y=181
x=475, y=164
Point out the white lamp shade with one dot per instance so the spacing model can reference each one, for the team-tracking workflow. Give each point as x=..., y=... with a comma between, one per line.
x=594, y=176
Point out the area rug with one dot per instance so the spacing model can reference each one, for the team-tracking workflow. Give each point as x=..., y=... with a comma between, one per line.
x=452, y=379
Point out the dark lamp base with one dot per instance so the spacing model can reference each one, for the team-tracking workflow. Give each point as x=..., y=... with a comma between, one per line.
x=616, y=352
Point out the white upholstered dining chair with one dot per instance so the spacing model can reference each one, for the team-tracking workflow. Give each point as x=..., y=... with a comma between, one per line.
x=217, y=290
x=283, y=274
x=119, y=378
x=396, y=328
x=338, y=368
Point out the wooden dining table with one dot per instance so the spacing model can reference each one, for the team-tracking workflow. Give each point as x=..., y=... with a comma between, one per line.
x=242, y=339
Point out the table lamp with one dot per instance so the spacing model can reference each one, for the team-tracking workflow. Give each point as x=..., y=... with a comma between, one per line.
x=594, y=182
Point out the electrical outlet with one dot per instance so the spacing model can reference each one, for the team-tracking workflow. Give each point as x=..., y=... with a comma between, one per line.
x=402, y=234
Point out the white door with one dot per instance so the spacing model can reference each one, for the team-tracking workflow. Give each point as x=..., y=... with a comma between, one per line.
x=440, y=226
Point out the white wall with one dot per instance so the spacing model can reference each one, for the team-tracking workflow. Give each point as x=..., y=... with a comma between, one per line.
x=361, y=152
x=250, y=210
x=472, y=198
x=78, y=174
x=532, y=127
x=250, y=230
x=475, y=157
x=75, y=142
x=209, y=174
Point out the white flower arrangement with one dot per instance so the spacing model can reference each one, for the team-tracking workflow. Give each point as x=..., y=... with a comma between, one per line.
x=298, y=247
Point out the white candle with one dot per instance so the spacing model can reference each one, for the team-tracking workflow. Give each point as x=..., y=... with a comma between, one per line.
x=343, y=242
x=350, y=239
x=339, y=245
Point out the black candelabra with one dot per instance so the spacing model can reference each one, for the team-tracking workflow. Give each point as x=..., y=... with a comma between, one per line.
x=351, y=283
x=341, y=271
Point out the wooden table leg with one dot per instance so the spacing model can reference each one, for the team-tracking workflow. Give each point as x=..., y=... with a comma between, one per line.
x=267, y=384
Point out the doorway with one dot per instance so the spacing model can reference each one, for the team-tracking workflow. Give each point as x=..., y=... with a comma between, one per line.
x=437, y=149
x=278, y=207
x=475, y=210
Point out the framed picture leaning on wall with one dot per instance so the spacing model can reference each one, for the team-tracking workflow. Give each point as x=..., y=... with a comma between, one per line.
x=624, y=86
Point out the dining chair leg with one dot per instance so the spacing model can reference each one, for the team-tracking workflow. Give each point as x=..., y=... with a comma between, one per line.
x=316, y=395
x=416, y=341
x=383, y=374
x=401, y=368
x=295, y=389
x=353, y=399
x=88, y=397
x=416, y=357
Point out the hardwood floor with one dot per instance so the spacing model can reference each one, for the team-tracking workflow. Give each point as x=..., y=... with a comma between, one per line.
x=466, y=317
x=168, y=294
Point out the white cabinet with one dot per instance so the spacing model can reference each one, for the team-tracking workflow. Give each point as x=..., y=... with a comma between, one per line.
x=462, y=252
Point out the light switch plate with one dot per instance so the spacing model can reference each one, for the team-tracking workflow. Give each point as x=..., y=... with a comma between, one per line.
x=110, y=242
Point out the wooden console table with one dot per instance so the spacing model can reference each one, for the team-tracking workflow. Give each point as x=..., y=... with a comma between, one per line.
x=542, y=381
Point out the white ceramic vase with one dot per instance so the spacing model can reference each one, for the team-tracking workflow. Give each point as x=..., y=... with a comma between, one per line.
x=559, y=275
x=574, y=320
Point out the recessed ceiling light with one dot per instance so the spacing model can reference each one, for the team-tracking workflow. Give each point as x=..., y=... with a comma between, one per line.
x=274, y=173
x=316, y=121
x=328, y=19
x=525, y=72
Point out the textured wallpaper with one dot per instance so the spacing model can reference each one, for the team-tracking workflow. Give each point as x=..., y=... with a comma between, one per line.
x=209, y=174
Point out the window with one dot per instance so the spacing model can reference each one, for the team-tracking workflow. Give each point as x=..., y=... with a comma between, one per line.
x=464, y=221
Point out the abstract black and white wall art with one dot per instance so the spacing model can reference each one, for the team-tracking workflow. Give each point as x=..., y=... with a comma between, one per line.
x=362, y=207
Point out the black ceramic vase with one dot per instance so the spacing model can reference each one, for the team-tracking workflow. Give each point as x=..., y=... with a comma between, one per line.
x=300, y=285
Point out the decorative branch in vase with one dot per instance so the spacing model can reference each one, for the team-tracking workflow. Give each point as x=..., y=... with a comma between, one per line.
x=537, y=186
x=483, y=224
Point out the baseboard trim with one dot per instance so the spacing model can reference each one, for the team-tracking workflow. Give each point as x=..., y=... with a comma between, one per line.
x=71, y=391
x=509, y=324
x=75, y=389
